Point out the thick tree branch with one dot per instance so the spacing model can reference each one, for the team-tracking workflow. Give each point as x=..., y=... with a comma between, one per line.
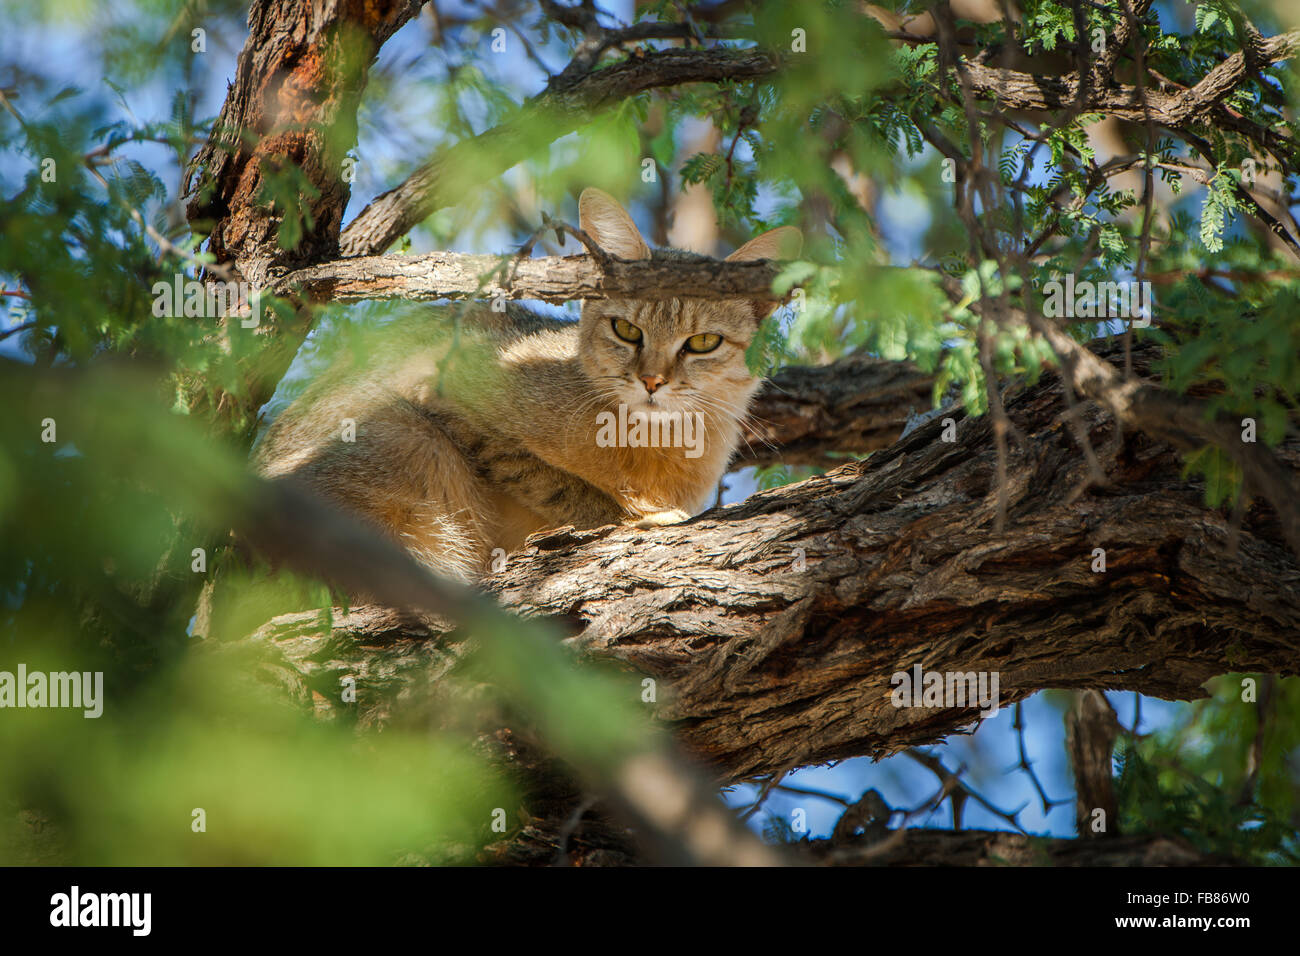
x=291, y=112
x=293, y=104
x=450, y=275
x=668, y=803
x=774, y=626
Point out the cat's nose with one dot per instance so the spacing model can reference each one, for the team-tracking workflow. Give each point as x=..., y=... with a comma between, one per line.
x=652, y=382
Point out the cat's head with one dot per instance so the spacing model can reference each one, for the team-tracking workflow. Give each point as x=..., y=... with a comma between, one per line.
x=671, y=354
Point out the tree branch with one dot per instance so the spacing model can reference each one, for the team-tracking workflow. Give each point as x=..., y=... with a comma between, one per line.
x=1025, y=91
x=649, y=787
x=291, y=111
x=1186, y=423
x=567, y=103
x=293, y=103
x=451, y=275
x=924, y=847
x=774, y=626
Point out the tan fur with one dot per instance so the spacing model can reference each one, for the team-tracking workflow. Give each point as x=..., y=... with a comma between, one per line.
x=467, y=443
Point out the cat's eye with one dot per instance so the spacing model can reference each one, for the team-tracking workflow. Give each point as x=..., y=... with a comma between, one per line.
x=626, y=331
x=704, y=342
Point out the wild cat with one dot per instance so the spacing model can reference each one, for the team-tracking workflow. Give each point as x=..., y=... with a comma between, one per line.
x=467, y=441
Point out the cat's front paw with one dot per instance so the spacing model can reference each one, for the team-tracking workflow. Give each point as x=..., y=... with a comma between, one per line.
x=657, y=519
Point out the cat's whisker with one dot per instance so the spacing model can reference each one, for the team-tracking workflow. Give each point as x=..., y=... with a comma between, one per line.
x=734, y=414
x=721, y=406
x=590, y=403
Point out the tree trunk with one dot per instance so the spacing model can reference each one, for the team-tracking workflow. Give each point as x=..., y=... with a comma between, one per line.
x=291, y=111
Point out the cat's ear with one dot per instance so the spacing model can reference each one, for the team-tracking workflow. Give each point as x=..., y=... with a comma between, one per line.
x=783, y=242
x=602, y=217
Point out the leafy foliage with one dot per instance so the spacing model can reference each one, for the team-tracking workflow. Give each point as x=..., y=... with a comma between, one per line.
x=1191, y=779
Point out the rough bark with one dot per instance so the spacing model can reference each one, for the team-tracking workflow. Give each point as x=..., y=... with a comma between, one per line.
x=775, y=625
x=293, y=103
x=1018, y=90
x=668, y=811
x=1091, y=729
x=806, y=414
x=292, y=106
x=450, y=275
x=1186, y=423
